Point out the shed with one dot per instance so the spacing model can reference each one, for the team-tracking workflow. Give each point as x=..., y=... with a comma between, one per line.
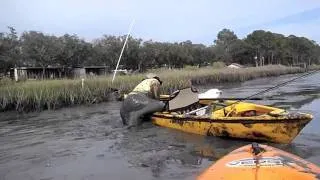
x=235, y=66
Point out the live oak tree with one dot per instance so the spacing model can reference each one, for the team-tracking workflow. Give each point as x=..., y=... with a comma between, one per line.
x=33, y=48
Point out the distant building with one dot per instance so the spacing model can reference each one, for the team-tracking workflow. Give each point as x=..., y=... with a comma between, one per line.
x=235, y=66
x=121, y=71
x=89, y=71
x=79, y=72
x=23, y=73
x=301, y=65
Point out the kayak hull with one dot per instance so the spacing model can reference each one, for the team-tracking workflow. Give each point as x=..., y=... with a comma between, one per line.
x=272, y=164
x=272, y=129
x=230, y=118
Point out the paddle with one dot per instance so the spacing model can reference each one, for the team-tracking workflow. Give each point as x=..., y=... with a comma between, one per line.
x=231, y=99
x=169, y=97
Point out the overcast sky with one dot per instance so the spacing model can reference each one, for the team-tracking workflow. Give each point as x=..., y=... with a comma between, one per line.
x=162, y=20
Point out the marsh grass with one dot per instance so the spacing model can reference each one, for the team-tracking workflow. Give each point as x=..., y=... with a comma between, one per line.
x=52, y=94
x=314, y=67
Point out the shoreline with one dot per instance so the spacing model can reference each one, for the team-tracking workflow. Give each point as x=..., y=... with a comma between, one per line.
x=30, y=96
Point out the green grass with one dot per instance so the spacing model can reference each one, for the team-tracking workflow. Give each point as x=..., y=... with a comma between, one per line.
x=52, y=94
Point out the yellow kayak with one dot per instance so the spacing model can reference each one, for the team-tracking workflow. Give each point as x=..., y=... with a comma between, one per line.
x=261, y=162
x=231, y=119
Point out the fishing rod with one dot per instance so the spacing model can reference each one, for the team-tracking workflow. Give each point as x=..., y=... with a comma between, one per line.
x=277, y=86
x=124, y=44
x=261, y=92
x=251, y=96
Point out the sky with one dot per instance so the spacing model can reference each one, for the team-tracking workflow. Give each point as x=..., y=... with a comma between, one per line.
x=162, y=20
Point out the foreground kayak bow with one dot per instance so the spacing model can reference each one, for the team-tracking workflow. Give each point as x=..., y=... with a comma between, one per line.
x=261, y=162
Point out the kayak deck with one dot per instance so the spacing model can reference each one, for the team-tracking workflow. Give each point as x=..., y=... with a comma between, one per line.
x=263, y=164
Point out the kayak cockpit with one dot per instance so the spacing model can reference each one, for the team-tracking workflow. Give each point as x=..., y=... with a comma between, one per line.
x=185, y=103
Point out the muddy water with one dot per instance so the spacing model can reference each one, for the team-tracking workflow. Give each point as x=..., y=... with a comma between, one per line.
x=90, y=143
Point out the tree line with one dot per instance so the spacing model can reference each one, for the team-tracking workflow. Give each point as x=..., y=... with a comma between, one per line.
x=33, y=48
